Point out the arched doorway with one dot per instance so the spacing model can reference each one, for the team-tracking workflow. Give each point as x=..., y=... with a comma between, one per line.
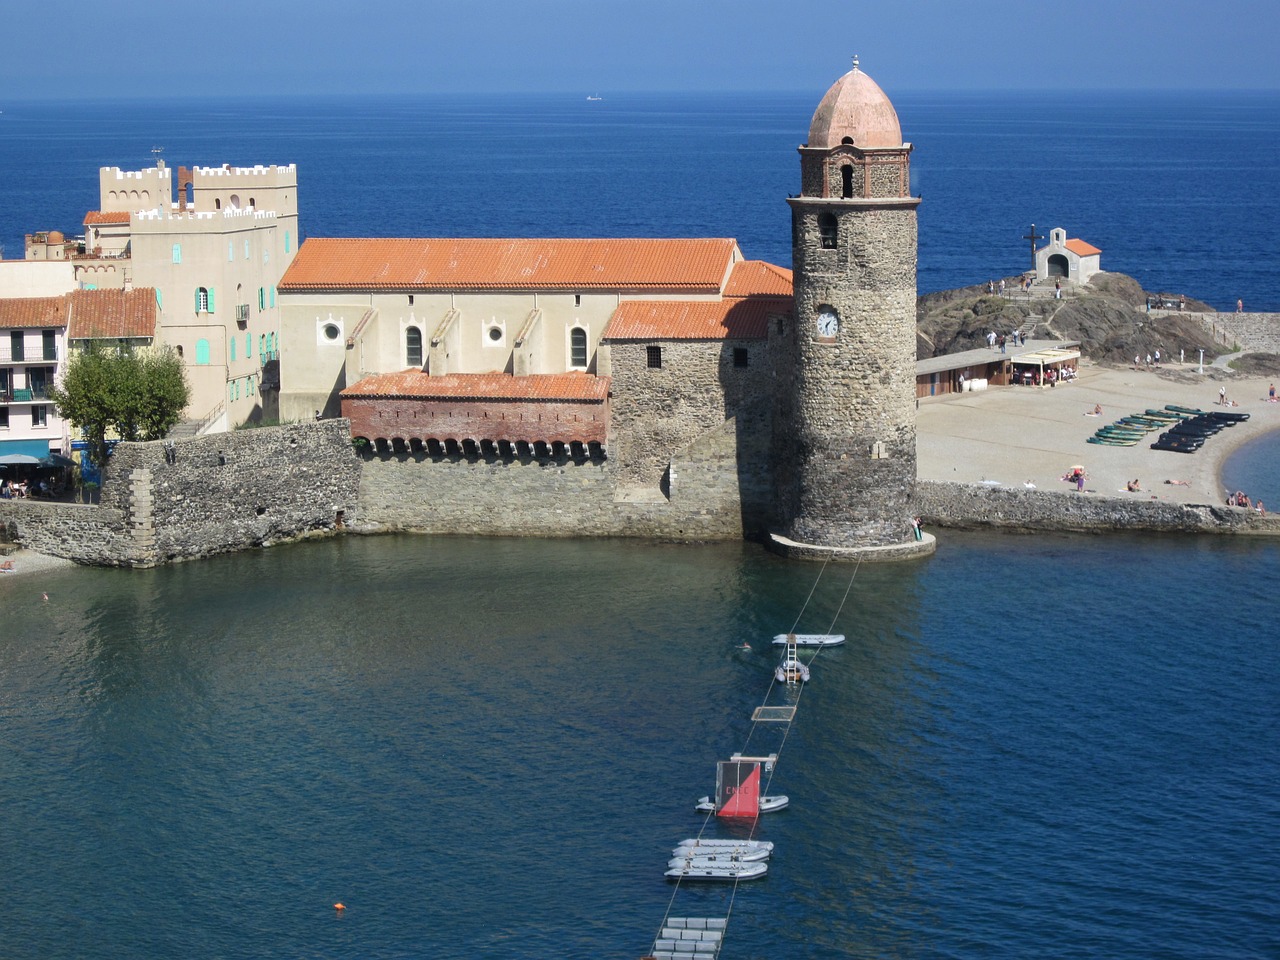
x=1058, y=266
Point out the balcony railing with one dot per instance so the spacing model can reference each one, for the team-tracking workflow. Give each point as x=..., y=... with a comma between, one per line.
x=25, y=395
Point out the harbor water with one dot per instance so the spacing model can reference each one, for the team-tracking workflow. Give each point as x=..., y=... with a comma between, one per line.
x=1030, y=746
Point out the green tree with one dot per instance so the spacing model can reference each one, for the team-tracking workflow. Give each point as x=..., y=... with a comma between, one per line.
x=139, y=395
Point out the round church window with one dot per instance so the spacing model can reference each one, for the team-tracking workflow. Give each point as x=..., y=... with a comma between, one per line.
x=495, y=334
x=331, y=331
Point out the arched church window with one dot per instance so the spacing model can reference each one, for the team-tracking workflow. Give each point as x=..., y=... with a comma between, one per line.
x=846, y=181
x=413, y=346
x=578, y=347
x=828, y=231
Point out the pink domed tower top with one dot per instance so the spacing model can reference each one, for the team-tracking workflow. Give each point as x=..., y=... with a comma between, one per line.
x=855, y=110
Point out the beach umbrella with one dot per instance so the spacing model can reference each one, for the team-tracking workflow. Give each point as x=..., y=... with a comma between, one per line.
x=57, y=460
x=13, y=458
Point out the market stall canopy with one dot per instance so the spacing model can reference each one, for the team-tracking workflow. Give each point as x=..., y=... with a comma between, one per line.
x=15, y=458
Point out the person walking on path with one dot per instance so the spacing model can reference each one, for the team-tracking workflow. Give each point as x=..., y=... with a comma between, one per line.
x=1157, y=356
x=1002, y=286
x=1239, y=306
x=1057, y=289
x=1222, y=396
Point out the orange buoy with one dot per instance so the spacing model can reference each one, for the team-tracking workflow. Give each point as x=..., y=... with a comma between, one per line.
x=339, y=907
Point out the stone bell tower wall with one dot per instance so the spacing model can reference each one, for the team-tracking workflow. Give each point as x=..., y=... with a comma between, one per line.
x=847, y=466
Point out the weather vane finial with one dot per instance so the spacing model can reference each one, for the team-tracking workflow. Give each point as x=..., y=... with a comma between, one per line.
x=855, y=61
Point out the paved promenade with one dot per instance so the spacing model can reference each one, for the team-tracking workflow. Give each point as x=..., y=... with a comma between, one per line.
x=1014, y=435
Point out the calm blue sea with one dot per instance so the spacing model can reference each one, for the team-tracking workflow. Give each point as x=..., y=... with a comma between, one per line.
x=1031, y=746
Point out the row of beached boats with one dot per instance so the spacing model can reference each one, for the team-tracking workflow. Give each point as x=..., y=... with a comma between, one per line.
x=1181, y=429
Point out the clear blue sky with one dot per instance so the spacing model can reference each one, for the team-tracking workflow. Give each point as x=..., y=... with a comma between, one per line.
x=146, y=47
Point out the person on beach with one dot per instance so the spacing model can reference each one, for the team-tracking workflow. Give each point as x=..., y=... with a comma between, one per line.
x=1222, y=396
x=1133, y=486
x=1239, y=306
x=1271, y=394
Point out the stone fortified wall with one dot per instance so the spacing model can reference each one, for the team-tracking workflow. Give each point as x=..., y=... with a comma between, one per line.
x=967, y=507
x=1252, y=332
x=560, y=497
x=201, y=496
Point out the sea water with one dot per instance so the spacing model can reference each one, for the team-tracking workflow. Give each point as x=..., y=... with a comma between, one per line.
x=1043, y=745
x=1029, y=746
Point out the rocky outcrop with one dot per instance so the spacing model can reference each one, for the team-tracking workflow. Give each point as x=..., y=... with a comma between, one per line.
x=1108, y=316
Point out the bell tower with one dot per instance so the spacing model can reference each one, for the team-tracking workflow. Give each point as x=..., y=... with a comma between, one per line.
x=845, y=434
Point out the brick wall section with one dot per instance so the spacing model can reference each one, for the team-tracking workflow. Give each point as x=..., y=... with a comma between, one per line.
x=494, y=420
x=658, y=412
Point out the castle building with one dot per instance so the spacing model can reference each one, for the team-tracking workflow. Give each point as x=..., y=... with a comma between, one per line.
x=845, y=440
x=213, y=256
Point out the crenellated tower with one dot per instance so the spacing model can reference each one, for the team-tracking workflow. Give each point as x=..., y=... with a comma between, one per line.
x=845, y=447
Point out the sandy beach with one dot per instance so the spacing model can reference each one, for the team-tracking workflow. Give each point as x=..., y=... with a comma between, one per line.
x=27, y=562
x=1012, y=436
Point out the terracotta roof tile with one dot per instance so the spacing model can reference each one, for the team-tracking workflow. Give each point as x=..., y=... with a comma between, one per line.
x=445, y=264
x=97, y=216
x=112, y=314
x=740, y=318
x=33, y=312
x=1080, y=248
x=757, y=278
x=415, y=384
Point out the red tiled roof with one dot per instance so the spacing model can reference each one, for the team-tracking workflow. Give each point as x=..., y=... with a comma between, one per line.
x=33, y=312
x=757, y=278
x=444, y=264
x=97, y=216
x=112, y=314
x=414, y=384
x=741, y=318
x=1080, y=248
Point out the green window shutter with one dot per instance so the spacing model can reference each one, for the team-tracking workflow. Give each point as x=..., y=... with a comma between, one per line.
x=159, y=300
x=211, y=299
x=177, y=253
x=202, y=352
x=286, y=241
x=262, y=299
x=197, y=299
x=248, y=346
x=273, y=297
x=233, y=348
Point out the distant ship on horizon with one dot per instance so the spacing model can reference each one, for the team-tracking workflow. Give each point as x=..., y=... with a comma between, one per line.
x=594, y=96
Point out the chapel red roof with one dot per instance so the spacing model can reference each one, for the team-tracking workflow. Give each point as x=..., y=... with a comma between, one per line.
x=1080, y=248
x=416, y=385
x=112, y=314
x=33, y=312
x=481, y=264
x=98, y=216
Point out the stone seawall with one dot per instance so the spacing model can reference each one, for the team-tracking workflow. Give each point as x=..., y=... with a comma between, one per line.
x=559, y=497
x=200, y=496
x=963, y=506
x=1249, y=332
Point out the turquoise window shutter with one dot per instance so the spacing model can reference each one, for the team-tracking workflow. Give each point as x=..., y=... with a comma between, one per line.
x=233, y=348
x=202, y=352
x=211, y=299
